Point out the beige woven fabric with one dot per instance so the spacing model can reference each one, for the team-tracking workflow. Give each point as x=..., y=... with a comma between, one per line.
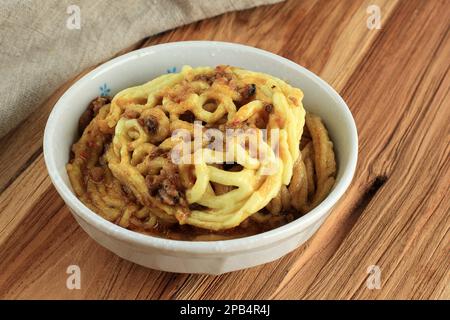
x=45, y=43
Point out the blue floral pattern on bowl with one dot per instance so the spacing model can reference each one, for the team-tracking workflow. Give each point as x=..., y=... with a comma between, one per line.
x=172, y=70
x=104, y=90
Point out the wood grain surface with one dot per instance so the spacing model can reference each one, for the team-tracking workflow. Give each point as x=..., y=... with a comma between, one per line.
x=396, y=81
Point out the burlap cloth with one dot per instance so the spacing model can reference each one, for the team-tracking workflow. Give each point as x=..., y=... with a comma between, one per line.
x=45, y=43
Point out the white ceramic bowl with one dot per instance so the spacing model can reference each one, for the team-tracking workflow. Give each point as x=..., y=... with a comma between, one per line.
x=215, y=257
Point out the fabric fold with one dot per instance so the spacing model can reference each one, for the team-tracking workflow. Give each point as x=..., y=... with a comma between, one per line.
x=45, y=43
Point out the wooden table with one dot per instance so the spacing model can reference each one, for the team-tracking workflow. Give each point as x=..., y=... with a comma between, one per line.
x=395, y=216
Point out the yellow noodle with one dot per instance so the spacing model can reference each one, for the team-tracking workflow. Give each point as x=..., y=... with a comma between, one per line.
x=128, y=147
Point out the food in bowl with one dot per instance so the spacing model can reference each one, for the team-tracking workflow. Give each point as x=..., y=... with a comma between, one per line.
x=204, y=154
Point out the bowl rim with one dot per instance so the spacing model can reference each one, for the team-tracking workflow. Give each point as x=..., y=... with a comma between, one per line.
x=203, y=247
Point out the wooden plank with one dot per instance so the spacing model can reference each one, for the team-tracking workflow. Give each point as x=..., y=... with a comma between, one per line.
x=402, y=144
x=395, y=215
